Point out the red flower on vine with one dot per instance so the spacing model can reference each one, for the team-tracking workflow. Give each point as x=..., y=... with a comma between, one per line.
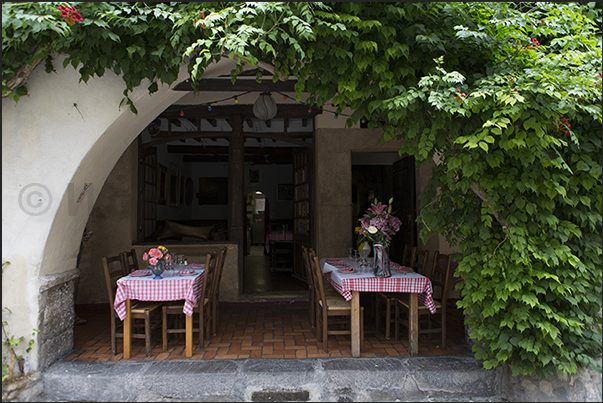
x=535, y=42
x=199, y=19
x=70, y=14
x=564, y=125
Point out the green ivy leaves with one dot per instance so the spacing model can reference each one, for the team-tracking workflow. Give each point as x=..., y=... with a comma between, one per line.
x=503, y=100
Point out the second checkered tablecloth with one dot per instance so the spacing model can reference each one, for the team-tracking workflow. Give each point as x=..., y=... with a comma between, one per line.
x=345, y=283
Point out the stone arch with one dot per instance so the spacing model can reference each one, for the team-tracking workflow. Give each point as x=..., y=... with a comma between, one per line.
x=58, y=147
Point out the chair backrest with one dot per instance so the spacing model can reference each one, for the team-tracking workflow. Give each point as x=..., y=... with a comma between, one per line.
x=407, y=255
x=440, y=274
x=319, y=289
x=113, y=267
x=130, y=260
x=218, y=270
x=211, y=262
x=419, y=261
x=308, y=266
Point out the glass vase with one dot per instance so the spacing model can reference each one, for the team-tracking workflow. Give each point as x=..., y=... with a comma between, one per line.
x=158, y=269
x=381, y=261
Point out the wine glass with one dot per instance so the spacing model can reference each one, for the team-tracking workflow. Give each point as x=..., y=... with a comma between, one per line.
x=364, y=252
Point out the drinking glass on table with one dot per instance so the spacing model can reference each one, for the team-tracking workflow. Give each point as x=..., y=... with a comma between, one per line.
x=364, y=262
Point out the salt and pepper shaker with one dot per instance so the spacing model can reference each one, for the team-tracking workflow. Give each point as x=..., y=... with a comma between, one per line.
x=185, y=261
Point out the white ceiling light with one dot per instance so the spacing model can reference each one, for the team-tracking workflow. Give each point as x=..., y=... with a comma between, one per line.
x=264, y=107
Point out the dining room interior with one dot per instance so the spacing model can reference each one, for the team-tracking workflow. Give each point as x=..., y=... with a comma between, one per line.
x=182, y=168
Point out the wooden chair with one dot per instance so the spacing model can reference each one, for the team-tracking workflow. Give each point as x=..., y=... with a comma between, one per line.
x=420, y=262
x=309, y=277
x=388, y=299
x=436, y=323
x=215, y=300
x=281, y=255
x=201, y=311
x=330, y=309
x=329, y=290
x=146, y=312
x=130, y=261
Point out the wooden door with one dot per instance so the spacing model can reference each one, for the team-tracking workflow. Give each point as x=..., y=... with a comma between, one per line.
x=404, y=206
x=147, y=195
x=302, y=208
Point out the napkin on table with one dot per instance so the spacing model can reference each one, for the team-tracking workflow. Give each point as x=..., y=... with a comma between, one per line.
x=347, y=269
x=186, y=271
x=139, y=273
x=197, y=265
x=397, y=267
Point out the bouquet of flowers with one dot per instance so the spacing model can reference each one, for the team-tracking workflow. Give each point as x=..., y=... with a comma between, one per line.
x=378, y=225
x=155, y=255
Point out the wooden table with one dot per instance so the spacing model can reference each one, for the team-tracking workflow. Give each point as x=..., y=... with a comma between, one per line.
x=172, y=287
x=350, y=285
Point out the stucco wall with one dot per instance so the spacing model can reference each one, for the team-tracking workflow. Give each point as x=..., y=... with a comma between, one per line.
x=111, y=222
x=333, y=199
x=59, y=144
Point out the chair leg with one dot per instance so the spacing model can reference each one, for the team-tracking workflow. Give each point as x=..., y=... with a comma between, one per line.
x=325, y=336
x=377, y=316
x=388, y=317
x=396, y=323
x=214, y=318
x=113, y=341
x=443, y=331
x=164, y=328
x=201, y=326
x=361, y=330
x=147, y=333
x=312, y=310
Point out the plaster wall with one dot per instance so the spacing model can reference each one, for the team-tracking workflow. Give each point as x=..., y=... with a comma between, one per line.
x=59, y=144
x=333, y=175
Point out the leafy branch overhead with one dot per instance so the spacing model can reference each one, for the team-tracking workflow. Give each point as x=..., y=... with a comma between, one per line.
x=503, y=99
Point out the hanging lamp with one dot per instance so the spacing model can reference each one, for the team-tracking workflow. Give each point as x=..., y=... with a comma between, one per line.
x=264, y=107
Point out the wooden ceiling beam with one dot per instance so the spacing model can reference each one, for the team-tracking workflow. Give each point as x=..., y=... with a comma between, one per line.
x=226, y=111
x=254, y=159
x=240, y=85
x=201, y=150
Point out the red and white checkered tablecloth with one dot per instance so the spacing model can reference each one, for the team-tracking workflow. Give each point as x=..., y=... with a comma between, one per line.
x=345, y=283
x=277, y=237
x=171, y=288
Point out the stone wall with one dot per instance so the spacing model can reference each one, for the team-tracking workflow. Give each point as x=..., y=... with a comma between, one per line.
x=584, y=386
x=56, y=317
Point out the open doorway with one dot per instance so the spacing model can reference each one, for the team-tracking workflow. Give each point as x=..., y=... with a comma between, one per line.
x=269, y=257
x=381, y=176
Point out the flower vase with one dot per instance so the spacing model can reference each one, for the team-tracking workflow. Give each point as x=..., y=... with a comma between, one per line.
x=157, y=269
x=381, y=262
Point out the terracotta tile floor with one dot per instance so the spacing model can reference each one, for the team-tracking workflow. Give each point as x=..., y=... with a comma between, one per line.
x=258, y=330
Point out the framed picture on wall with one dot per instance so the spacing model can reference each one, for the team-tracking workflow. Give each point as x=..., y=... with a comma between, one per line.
x=162, y=184
x=213, y=190
x=174, y=185
x=254, y=175
x=284, y=191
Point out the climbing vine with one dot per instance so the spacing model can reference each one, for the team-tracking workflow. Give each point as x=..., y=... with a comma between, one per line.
x=505, y=97
x=10, y=356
